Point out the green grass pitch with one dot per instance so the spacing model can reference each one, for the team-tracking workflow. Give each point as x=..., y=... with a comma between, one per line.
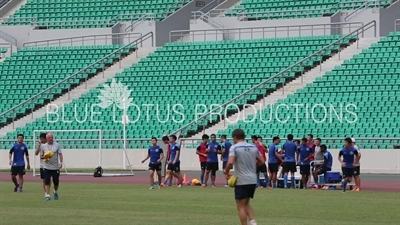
x=134, y=204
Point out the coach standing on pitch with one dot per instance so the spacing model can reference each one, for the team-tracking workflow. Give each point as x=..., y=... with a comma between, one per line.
x=243, y=156
x=52, y=165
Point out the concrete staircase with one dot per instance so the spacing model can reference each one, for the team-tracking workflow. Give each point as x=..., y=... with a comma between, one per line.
x=221, y=9
x=293, y=86
x=15, y=8
x=77, y=92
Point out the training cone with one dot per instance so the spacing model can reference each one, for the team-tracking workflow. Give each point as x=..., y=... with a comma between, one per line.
x=184, y=179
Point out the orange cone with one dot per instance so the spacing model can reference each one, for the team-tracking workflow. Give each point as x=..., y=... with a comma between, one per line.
x=184, y=179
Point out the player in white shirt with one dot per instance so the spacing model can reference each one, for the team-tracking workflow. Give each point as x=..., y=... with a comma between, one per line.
x=357, y=180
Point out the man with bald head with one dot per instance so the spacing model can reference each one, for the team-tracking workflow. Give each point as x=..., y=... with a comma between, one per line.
x=52, y=165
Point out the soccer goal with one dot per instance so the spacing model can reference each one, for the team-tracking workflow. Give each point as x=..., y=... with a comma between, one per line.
x=84, y=150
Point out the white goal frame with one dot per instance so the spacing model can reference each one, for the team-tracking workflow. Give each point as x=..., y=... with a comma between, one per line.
x=126, y=167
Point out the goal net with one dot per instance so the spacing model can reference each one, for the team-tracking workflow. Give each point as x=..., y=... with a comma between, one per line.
x=84, y=150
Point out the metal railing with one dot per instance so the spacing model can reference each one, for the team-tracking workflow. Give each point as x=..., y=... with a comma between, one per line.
x=30, y=103
x=10, y=39
x=185, y=142
x=395, y=142
x=362, y=8
x=241, y=99
x=287, y=30
x=19, y=20
x=206, y=18
x=397, y=25
x=241, y=13
x=137, y=22
x=103, y=39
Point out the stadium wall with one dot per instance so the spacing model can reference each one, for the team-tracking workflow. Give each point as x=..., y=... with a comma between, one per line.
x=21, y=33
x=143, y=28
x=201, y=36
x=180, y=20
x=387, y=18
x=365, y=16
x=372, y=161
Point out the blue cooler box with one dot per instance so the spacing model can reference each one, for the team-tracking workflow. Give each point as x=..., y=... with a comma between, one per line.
x=333, y=177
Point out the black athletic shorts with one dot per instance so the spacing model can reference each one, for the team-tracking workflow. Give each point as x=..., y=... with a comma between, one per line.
x=262, y=169
x=213, y=166
x=174, y=167
x=18, y=170
x=203, y=165
x=273, y=167
x=49, y=174
x=323, y=170
x=41, y=173
x=356, y=171
x=289, y=167
x=224, y=164
x=348, y=172
x=245, y=191
x=305, y=169
x=155, y=167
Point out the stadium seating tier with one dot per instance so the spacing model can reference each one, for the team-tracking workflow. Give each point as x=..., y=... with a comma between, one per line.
x=370, y=81
x=90, y=13
x=188, y=74
x=31, y=70
x=282, y=9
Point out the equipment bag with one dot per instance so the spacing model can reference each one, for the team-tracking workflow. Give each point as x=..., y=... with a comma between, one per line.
x=333, y=177
x=98, y=172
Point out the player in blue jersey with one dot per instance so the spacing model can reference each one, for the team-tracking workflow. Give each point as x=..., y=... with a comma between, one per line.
x=273, y=156
x=17, y=163
x=225, y=146
x=213, y=148
x=304, y=152
x=289, y=162
x=174, y=168
x=156, y=154
x=348, y=158
x=165, y=140
x=324, y=167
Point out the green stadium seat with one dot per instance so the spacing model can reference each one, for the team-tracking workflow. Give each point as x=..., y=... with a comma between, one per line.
x=282, y=9
x=189, y=74
x=56, y=14
x=367, y=80
x=31, y=70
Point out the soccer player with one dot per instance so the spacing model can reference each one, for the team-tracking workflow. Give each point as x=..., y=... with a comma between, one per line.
x=348, y=158
x=225, y=146
x=242, y=155
x=357, y=168
x=43, y=140
x=155, y=153
x=202, y=152
x=273, y=156
x=289, y=162
x=165, y=140
x=52, y=165
x=324, y=167
x=262, y=168
x=17, y=163
x=304, y=152
x=213, y=148
x=173, y=168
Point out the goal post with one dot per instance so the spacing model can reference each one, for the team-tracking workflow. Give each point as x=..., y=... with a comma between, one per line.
x=84, y=150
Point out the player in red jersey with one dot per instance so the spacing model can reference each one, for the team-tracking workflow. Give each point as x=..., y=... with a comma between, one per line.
x=202, y=152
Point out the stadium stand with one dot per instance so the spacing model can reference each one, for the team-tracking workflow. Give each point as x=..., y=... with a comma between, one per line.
x=370, y=80
x=95, y=13
x=272, y=9
x=33, y=69
x=177, y=70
